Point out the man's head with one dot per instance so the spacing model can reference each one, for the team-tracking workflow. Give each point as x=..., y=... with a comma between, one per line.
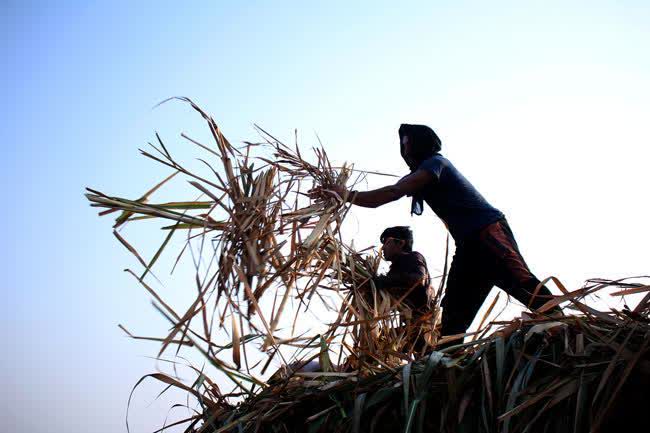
x=417, y=143
x=396, y=241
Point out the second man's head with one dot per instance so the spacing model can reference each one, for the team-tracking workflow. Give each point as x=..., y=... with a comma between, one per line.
x=396, y=241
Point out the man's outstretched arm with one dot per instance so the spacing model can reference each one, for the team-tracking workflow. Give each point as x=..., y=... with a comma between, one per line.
x=377, y=197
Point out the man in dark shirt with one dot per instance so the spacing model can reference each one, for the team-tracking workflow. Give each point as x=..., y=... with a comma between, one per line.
x=408, y=277
x=486, y=251
x=408, y=282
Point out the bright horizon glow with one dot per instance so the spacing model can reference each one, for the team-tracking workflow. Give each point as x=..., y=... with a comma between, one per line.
x=543, y=107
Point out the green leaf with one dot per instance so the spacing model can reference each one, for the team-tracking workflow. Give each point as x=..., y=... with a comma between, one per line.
x=358, y=409
x=406, y=380
x=157, y=255
x=324, y=357
x=383, y=394
x=423, y=384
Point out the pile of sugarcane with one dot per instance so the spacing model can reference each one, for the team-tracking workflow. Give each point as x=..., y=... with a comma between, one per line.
x=580, y=373
x=275, y=254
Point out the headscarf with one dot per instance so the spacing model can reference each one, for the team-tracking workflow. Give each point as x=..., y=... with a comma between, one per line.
x=424, y=143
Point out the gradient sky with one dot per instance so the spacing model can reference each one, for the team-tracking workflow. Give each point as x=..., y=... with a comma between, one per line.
x=542, y=105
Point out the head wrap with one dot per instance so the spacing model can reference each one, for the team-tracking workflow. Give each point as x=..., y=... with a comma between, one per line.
x=423, y=144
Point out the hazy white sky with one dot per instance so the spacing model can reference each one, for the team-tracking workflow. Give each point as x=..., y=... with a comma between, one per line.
x=542, y=105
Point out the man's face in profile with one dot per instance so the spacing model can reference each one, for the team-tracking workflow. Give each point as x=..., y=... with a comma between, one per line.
x=391, y=248
x=407, y=151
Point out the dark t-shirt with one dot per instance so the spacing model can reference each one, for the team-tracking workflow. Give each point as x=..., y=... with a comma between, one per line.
x=403, y=269
x=455, y=200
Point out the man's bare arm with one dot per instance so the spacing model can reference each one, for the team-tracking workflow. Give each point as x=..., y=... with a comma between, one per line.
x=406, y=186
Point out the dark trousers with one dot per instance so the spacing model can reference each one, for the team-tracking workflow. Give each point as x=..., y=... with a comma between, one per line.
x=489, y=258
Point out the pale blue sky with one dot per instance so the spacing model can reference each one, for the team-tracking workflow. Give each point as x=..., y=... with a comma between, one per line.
x=543, y=105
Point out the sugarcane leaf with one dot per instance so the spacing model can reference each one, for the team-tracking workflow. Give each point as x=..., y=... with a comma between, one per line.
x=315, y=426
x=406, y=382
x=379, y=396
x=500, y=365
x=358, y=410
x=612, y=365
x=324, y=357
x=159, y=252
x=236, y=341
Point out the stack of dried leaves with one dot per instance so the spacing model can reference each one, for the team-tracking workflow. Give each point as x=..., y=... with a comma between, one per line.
x=275, y=255
x=582, y=373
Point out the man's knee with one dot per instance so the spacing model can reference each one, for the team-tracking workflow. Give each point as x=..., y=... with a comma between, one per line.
x=454, y=322
x=538, y=293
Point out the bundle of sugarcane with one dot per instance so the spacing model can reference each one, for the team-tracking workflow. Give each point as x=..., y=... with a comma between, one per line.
x=269, y=241
x=582, y=373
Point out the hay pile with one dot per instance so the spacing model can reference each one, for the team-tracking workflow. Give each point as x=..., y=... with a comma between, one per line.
x=276, y=253
x=577, y=374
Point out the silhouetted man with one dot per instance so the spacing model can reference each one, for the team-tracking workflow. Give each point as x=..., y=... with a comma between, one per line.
x=409, y=282
x=408, y=276
x=486, y=251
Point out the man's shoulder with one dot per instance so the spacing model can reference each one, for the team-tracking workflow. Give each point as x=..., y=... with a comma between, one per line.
x=418, y=262
x=414, y=255
x=436, y=159
x=436, y=162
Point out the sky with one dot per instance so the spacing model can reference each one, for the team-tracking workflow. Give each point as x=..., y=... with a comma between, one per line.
x=542, y=105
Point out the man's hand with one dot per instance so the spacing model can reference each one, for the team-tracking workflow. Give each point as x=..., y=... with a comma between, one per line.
x=339, y=192
x=408, y=185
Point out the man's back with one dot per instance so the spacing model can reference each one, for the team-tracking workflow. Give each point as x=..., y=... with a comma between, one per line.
x=455, y=200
